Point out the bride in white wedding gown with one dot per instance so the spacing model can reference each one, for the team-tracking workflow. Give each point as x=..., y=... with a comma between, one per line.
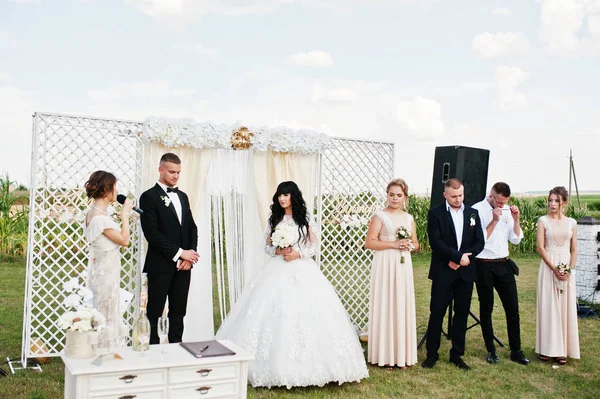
x=289, y=316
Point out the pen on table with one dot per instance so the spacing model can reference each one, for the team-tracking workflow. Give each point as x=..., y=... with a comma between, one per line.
x=203, y=349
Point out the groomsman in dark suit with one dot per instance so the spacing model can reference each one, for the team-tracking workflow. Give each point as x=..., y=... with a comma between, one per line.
x=172, y=238
x=455, y=235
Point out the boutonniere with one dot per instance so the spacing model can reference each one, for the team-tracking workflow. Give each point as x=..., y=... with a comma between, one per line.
x=166, y=200
x=472, y=222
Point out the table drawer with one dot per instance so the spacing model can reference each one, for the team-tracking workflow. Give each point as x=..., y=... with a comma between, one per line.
x=153, y=393
x=205, y=390
x=199, y=374
x=128, y=379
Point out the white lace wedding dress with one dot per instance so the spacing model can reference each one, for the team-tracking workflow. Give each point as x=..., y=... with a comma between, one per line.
x=104, y=268
x=292, y=320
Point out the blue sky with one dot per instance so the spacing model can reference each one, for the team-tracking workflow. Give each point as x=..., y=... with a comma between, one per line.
x=520, y=78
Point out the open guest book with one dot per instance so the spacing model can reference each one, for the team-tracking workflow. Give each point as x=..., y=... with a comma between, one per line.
x=207, y=348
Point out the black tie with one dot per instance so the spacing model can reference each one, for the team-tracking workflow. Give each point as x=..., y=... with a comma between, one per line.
x=172, y=189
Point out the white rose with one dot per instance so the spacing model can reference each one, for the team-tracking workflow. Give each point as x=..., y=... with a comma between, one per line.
x=72, y=300
x=71, y=285
x=85, y=294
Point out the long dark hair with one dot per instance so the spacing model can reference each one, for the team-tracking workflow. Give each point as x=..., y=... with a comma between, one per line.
x=299, y=212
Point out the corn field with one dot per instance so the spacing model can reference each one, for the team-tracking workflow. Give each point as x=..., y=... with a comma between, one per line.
x=13, y=220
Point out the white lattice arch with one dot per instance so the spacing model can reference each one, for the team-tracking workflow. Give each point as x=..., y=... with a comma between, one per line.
x=65, y=150
x=354, y=174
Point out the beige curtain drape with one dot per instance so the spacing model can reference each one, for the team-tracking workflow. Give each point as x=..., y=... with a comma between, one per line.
x=265, y=170
x=272, y=168
x=195, y=165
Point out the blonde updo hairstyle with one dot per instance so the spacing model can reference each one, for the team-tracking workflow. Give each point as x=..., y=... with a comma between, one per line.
x=403, y=186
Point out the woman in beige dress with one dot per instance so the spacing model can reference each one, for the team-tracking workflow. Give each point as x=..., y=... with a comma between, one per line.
x=392, y=322
x=556, y=330
x=106, y=238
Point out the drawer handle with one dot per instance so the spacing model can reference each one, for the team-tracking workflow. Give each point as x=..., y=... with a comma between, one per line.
x=203, y=390
x=128, y=397
x=204, y=372
x=128, y=378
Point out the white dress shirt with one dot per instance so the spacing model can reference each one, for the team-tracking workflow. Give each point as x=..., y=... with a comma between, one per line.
x=458, y=218
x=496, y=245
x=174, y=197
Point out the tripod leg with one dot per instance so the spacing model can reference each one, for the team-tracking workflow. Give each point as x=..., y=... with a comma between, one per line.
x=447, y=335
x=478, y=322
x=422, y=341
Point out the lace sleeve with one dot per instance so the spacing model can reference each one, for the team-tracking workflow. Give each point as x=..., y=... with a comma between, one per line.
x=269, y=248
x=311, y=247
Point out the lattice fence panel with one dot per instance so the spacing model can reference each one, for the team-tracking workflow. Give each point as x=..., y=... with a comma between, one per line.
x=65, y=150
x=354, y=175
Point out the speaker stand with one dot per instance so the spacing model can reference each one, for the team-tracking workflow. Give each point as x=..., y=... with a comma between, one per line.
x=447, y=335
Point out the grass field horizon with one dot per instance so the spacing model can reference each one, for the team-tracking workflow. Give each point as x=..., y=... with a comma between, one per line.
x=579, y=378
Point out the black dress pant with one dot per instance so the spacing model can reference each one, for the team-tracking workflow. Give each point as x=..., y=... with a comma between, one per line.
x=498, y=275
x=175, y=286
x=443, y=292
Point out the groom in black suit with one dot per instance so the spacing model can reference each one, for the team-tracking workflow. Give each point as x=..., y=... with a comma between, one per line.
x=172, y=238
x=455, y=236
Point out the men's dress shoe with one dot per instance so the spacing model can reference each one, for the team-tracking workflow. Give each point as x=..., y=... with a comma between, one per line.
x=492, y=358
x=429, y=362
x=458, y=362
x=519, y=357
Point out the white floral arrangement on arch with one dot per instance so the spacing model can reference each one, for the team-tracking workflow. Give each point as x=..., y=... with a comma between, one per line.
x=354, y=220
x=82, y=317
x=178, y=132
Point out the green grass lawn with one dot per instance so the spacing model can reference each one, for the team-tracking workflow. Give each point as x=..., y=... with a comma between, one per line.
x=578, y=379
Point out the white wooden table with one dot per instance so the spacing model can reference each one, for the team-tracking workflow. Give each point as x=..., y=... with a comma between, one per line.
x=177, y=374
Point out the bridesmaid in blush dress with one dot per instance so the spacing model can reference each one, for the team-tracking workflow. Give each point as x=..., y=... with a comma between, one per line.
x=392, y=322
x=557, y=332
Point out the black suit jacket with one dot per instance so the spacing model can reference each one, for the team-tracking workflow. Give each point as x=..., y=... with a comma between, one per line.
x=164, y=233
x=442, y=238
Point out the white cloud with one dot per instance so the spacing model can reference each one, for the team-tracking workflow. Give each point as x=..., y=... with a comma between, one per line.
x=421, y=117
x=16, y=108
x=500, y=44
x=333, y=95
x=504, y=12
x=507, y=80
x=315, y=59
x=568, y=26
x=198, y=48
x=138, y=90
x=176, y=12
x=7, y=42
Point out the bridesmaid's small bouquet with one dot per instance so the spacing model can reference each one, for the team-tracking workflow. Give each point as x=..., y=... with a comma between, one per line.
x=563, y=269
x=402, y=234
x=284, y=236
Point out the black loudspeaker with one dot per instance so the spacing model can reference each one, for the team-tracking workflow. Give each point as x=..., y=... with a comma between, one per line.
x=468, y=164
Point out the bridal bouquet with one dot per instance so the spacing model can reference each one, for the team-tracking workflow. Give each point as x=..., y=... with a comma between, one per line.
x=284, y=236
x=402, y=234
x=563, y=269
x=82, y=317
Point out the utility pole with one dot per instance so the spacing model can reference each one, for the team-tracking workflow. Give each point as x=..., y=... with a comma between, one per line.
x=572, y=174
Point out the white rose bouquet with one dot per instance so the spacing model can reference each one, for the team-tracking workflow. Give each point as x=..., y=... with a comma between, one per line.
x=402, y=234
x=563, y=269
x=284, y=236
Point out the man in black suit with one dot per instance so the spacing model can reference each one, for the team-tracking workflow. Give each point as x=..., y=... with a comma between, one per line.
x=455, y=234
x=172, y=238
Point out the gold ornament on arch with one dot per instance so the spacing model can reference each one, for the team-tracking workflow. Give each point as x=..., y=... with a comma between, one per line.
x=240, y=138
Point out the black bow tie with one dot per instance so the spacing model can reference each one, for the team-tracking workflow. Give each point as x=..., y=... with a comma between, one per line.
x=172, y=189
